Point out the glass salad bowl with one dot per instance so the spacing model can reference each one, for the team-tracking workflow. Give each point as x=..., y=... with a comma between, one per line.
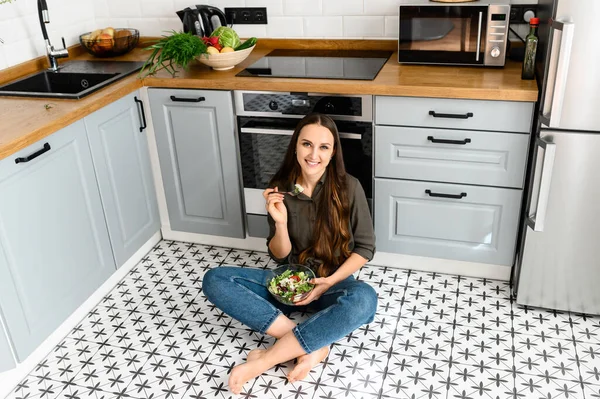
x=290, y=283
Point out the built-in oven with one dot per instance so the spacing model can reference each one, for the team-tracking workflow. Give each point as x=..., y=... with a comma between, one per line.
x=266, y=122
x=453, y=33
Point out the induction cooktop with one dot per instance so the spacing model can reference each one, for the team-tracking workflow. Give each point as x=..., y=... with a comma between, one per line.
x=319, y=64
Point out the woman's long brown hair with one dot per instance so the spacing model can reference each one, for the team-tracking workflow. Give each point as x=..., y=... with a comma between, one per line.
x=331, y=236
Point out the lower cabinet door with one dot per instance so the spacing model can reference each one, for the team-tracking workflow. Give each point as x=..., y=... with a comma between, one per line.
x=449, y=221
x=7, y=360
x=54, y=245
x=199, y=162
x=122, y=163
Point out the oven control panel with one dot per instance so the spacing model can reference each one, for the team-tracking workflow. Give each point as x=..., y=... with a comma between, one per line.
x=297, y=105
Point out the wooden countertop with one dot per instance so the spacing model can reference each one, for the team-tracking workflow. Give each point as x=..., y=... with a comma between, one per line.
x=27, y=120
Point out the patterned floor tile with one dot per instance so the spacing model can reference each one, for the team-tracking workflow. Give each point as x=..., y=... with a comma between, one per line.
x=532, y=386
x=480, y=382
x=434, y=336
x=492, y=349
x=554, y=357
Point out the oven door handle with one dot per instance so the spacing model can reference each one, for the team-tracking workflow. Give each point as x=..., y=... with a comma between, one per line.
x=284, y=132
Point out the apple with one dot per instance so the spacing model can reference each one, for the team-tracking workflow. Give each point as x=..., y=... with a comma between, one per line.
x=104, y=41
x=109, y=31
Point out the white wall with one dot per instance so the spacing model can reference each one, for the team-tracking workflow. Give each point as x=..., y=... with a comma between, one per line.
x=21, y=33
x=20, y=30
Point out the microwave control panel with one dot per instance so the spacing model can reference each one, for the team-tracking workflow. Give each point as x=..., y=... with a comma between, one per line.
x=497, y=34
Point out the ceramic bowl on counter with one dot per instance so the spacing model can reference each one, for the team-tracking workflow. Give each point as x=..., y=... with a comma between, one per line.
x=224, y=61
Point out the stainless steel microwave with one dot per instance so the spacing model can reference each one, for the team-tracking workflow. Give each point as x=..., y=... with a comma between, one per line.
x=453, y=33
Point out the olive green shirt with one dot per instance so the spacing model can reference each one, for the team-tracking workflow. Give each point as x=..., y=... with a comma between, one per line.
x=302, y=212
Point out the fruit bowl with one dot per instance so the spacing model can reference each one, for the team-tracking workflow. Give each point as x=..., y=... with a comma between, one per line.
x=289, y=297
x=224, y=61
x=110, y=42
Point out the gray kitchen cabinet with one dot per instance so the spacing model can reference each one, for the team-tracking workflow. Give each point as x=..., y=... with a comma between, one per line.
x=453, y=156
x=7, y=360
x=451, y=221
x=449, y=177
x=54, y=244
x=119, y=147
x=197, y=149
x=499, y=116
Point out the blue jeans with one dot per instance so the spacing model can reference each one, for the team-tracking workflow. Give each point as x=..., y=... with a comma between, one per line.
x=242, y=294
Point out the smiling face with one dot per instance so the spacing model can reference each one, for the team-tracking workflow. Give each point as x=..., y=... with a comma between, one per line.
x=314, y=150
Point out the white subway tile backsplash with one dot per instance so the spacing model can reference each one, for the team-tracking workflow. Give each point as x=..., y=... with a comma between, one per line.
x=305, y=7
x=381, y=7
x=285, y=27
x=343, y=7
x=3, y=62
x=20, y=51
x=157, y=8
x=124, y=9
x=101, y=8
x=170, y=24
x=391, y=27
x=274, y=7
x=246, y=31
x=147, y=27
x=363, y=26
x=323, y=27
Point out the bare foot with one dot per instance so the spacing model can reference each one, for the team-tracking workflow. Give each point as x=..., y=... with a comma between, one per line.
x=306, y=363
x=255, y=354
x=247, y=371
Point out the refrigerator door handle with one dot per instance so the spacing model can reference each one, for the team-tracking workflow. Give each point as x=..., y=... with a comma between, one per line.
x=558, y=70
x=536, y=221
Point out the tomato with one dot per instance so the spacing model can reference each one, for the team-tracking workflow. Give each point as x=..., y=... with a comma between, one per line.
x=295, y=278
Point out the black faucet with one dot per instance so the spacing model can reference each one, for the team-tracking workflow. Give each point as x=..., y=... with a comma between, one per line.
x=52, y=53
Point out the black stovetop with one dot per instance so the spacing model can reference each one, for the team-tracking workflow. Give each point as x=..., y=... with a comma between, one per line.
x=319, y=64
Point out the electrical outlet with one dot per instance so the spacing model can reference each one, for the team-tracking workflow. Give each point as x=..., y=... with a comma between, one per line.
x=521, y=13
x=246, y=15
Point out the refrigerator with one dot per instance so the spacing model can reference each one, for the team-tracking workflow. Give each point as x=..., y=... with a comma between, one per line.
x=558, y=258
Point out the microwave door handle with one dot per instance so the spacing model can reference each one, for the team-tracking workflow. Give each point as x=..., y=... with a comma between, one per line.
x=558, y=68
x=536, y=221
x=284, y=132
x=478, y=36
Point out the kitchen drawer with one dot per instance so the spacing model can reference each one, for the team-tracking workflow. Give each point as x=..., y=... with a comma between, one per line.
x=481, y=226
x=485, y=158
x=501, y=116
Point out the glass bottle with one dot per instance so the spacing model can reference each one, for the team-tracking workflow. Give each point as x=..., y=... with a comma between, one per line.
x=531, y=43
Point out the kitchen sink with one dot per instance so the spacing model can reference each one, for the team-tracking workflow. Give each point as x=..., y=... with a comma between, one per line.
x=75, y=79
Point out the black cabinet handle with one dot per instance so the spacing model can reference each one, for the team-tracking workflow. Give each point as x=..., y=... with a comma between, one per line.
x=143, y=114
x=442, y=195
x=445, y=141
x=453, y=116
x=188, y=100
x=36, y=154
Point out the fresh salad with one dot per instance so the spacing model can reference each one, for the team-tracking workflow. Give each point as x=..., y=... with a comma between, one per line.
x=290, y=285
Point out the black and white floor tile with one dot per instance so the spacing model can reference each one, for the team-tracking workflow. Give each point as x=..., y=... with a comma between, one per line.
x=435, y=336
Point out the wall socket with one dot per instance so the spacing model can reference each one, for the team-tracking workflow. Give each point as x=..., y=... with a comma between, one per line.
x=246, y=15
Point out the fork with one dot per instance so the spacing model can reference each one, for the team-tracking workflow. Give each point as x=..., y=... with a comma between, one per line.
x=297, y=190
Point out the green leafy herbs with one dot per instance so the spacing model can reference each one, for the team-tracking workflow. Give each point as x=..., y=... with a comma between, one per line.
x=175, y=50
